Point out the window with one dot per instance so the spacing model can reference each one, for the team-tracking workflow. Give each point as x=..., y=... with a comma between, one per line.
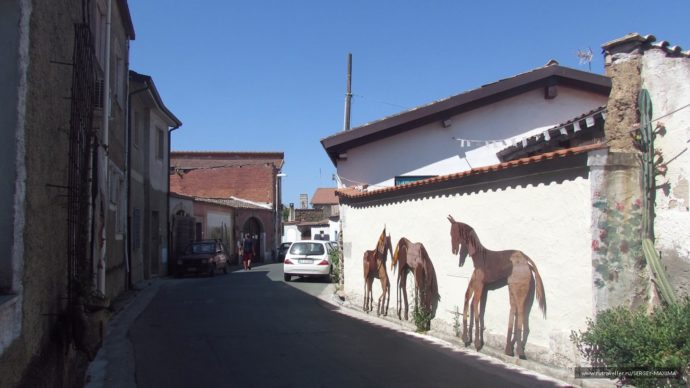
x=117, y=198
x=306, y=249
x=203, y=248
x=119, y=76
x=99, y=31
x=401, y=180
x=138, y=123
x=160, y=144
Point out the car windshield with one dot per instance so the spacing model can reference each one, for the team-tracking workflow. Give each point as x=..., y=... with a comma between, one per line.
x=202, y=248
x=307, y=249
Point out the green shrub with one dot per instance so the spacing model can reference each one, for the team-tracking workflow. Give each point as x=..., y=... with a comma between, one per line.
x=422, y=315
x=335, y=256
x=457, y=326
x=621, y=338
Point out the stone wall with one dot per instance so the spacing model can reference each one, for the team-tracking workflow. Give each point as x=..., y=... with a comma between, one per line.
x=41, y=355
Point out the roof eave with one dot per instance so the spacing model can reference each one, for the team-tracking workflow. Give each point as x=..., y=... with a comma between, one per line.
x=151, y=86
x=350, y=194
x=499, y=90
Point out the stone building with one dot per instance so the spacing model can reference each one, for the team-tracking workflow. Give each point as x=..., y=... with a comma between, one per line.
x=54, y=69
x=248, y=181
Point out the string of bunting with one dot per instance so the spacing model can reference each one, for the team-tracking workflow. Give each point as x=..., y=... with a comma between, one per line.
x=589, y=120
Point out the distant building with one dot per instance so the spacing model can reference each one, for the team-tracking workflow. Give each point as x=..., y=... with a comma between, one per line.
x=322, y=221
x=246, y=181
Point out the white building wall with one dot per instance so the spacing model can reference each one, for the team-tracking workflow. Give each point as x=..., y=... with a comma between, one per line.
x=668, y=81
x=431, y=150
x=550, y=223
x=290, y=233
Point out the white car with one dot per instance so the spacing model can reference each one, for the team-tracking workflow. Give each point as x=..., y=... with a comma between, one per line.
x=308, y=258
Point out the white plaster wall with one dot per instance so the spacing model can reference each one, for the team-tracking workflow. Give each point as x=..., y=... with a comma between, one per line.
x=290, y=233
x=315, y=231
x=334, y=229
x=217, y=220
x=430, y=149
x=668, y=81
x=550, y=223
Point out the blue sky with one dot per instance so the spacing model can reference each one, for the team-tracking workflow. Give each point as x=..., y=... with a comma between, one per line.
x=262, y=75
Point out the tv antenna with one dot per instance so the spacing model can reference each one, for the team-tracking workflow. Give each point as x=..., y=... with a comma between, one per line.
x=585, y=57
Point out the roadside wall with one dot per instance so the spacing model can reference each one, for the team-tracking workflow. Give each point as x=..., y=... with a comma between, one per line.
x=634, y=62
x=544, y=212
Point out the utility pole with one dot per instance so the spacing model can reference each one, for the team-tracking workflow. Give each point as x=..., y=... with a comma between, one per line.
x=348, y=95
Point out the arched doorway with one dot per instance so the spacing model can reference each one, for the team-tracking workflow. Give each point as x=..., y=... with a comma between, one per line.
x=254, y=228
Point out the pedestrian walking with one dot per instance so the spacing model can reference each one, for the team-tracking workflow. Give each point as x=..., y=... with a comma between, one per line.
x=248, y=247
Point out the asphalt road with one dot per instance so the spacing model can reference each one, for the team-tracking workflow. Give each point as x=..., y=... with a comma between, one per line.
x=251, y=329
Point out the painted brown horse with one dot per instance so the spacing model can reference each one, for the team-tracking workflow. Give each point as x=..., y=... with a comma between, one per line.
x=413, y=257
x=495, y=267
x=375, y=267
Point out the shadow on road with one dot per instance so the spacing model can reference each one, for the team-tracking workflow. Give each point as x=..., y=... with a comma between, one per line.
x=249, y=328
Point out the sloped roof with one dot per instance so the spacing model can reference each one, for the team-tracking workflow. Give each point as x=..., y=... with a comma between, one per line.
x=559, y=135
x=253, y=183
x=549, y=75
x=150, y=86
x=186, y=160
x=324, y=196
x=352, y=193
x=232, y=202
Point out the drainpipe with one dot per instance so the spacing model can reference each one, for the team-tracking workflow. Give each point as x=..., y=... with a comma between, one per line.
x=102, y=234
x=167, y=200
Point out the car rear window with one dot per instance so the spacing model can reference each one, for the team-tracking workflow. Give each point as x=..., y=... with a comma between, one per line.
x=202, y=248
x=307, y=249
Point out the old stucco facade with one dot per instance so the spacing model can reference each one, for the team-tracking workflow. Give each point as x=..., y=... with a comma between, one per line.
x=635, y=62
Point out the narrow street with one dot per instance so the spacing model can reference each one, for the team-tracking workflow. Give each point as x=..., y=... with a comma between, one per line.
x=251, y=329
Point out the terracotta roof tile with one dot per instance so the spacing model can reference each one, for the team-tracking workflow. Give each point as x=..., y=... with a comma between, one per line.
x=645, y=41
x=324, y=196
x=354, y=193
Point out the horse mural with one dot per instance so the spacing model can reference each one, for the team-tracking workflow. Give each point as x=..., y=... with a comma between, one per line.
x=375, y=267
x=413, y=257
x=490, y=267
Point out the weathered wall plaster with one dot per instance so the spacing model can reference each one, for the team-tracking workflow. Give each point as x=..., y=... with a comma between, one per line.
x=548, y=221
x=636, y=62
x=667, y=78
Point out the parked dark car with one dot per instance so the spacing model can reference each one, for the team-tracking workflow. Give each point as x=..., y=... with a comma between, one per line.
x=282, y=250
x=203, y=257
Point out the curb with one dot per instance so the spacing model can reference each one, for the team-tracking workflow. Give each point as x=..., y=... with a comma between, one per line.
x=114, y=364
x=339, y=299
